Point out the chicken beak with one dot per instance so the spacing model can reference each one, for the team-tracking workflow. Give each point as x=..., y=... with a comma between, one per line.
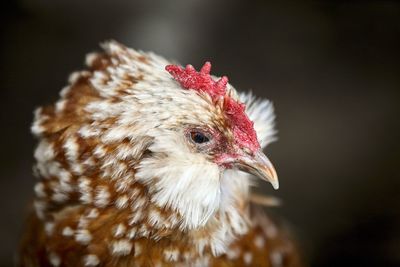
x=258, y=165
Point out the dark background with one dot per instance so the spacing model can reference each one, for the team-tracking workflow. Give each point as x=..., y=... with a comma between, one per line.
x=330, y=67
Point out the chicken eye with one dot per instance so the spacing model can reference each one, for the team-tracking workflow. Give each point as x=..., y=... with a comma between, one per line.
x=199, y=137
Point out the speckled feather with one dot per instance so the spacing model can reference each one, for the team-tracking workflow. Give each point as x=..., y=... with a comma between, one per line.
x=109, y=195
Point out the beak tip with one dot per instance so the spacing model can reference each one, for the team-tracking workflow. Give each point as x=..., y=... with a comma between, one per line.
x=275, y=185
x=259, y=165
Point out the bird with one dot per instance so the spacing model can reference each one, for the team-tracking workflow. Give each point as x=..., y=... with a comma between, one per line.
x=143, y=162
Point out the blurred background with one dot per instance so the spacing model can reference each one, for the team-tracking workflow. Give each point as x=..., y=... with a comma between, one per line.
x=330, y=67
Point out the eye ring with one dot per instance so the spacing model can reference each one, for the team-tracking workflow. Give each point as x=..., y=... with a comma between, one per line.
x=199, y=137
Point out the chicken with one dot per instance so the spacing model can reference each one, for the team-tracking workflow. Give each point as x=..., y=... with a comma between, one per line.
x=145, y=163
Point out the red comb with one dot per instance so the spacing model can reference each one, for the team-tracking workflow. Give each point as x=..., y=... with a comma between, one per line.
x=202, y=81
x=242, y=126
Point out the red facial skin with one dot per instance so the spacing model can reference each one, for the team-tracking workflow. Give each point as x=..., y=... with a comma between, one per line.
x=243, y=128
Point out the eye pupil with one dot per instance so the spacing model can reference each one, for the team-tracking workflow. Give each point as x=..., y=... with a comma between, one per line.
x=199, y=138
